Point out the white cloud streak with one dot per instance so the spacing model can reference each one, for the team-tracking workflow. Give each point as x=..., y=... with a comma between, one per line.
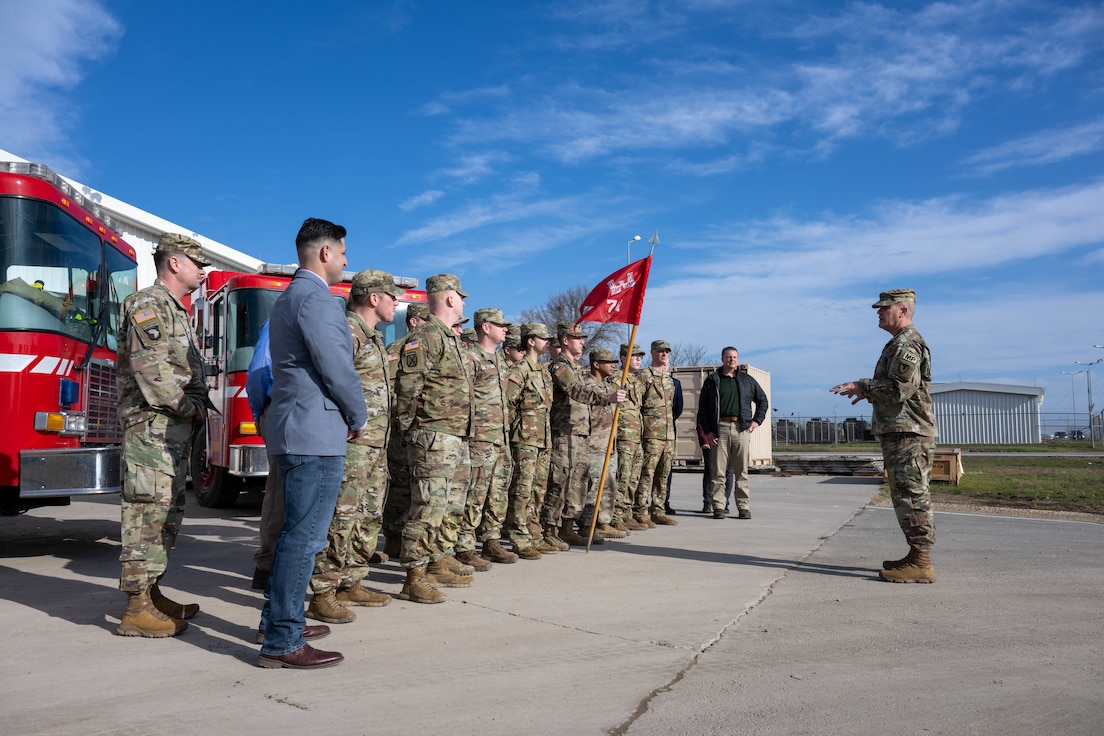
x=1044, y=147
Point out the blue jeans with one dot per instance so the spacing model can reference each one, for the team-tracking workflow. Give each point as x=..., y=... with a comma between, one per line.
x=311, y=485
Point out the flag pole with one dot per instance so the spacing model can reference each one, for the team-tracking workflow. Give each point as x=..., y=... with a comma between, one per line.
x=612, y=439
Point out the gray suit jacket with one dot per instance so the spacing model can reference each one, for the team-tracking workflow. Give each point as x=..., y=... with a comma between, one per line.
x=316, y=394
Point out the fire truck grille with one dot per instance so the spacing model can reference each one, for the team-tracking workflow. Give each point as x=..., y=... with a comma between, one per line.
x=103, y=404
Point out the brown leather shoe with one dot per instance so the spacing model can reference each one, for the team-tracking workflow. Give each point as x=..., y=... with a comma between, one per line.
x=305, y=657
x=744, y=514
x=309, y=633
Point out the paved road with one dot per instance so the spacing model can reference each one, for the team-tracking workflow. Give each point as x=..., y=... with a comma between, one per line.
x=776, y=625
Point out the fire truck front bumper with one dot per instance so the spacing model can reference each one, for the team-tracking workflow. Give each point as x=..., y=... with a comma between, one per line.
x=69, y=472
x=249, y=461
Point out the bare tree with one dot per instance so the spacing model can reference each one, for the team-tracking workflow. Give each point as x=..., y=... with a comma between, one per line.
x=687, y=353
x=564, y=307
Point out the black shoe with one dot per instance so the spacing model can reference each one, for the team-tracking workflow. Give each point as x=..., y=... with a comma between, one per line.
x=671, y=511
x=260, y=579
x=744, y=514
x=707, y=508
x=718, y=514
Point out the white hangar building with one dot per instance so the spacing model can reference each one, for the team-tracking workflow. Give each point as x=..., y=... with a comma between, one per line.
x=987, y=413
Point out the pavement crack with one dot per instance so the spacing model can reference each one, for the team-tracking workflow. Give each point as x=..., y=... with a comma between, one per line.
x=284, y=701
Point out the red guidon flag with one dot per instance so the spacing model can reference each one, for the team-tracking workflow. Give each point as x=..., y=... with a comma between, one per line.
x=620, y=296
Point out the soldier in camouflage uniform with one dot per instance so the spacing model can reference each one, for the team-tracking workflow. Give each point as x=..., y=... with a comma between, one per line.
x=398, y=494
x=529, y=394
x=573, y=394
x=602, y=369
x=511, y=346
x=904, y=421
x=433, y=408
x=485, y=509
x=630, y=448
x=657, y=394
x=354, y=529
x=162, y=403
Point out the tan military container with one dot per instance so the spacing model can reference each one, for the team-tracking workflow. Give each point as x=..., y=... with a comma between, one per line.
x=687, y=447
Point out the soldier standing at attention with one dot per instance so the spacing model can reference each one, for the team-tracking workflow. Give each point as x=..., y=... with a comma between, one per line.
x=630, y=451
x=485, y=510
x=398, y=494
x=904, y=421
x=340, y=568
x=433, y=408
x=511, y=346
x=573, y=395
x=162, y=401
x=529, y=394
x=602, y=367
x=657, y=394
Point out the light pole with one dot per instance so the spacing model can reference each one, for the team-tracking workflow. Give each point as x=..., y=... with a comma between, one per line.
x=628, y=260
x=1073, y=402
x=1088, y=383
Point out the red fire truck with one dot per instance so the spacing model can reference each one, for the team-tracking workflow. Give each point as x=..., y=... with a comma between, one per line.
x=228, y=316
x=63, y=274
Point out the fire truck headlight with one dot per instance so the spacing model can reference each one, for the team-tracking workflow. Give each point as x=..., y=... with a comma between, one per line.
x=64, y=423
x=249, y=428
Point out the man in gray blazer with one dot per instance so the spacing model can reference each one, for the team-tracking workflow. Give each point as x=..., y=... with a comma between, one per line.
x=317, y=406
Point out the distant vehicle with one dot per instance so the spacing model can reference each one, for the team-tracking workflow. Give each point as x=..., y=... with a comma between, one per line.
x=1060, y=435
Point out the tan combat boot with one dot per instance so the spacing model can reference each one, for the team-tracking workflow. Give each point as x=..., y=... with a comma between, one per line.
x=439, y=574
x=543, y=546
x=662, y=519
x=535, y=530
x=529, y=552
x=418, y=588
x=552, y=537
x=607, y=531
x=620, y=526
x=493, y=551
x=324, y=607
x=457, y=567
x=633, y=525
x=568, y=535
x=171, y=608
x=642, y=518
x=358, y=595
x=897, y=564
x=471, y=559
x=141, y=618
x=920, y=570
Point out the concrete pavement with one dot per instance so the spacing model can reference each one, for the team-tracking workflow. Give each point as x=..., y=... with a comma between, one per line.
x=776, y=625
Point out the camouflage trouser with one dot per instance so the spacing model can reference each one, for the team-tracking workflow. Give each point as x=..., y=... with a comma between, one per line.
x=569, y=467
x=397, y=507
x=155, y=470
x=485, y=509
x=526, y=494
x=597, y=454
x=908, y=461
x=630, y=460
x=439, y=474
x=654, y=470
x=356, y=522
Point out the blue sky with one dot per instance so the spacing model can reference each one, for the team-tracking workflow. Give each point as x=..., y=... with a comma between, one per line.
x=796, y=158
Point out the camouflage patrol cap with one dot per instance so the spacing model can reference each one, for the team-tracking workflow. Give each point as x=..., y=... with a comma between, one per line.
x=177, y=243
x=445, y=282
x=492, y=315
x=513, y=338
x=469, y=335
x=374, y=282
x=418, y=309
x=554, y=342
x=659, y=346
x=601, y=355
x=637, y=350
x=566, y=329
x=894, y=296
x=535, y=329
x=461, y=321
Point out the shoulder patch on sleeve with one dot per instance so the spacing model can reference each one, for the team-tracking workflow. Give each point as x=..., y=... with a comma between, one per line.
x=413, y=361
x=911, y=357
x=558, y=369
x=516, y=378
x=148, y=326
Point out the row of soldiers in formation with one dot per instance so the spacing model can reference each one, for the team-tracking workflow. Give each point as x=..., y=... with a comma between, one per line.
x=467, y=444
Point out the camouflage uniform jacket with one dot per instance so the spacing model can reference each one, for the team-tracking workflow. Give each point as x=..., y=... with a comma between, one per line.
x=159, y=366
x=492, y=414
x=601, y=417
x=657, y=393
x=900, y=389
x=434, y=390
x=373, y=367
x=573, y=393
x=629, y=424
x=529, y=394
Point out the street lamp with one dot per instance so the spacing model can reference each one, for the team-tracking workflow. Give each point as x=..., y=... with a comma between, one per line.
x=1088, y=383
x=628, y=255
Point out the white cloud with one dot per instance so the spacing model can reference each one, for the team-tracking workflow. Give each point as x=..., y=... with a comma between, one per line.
x=1045, y=147
x=421, y=200
x=46, y=46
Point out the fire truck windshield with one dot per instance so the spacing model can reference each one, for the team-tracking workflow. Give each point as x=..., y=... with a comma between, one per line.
x=50, y=272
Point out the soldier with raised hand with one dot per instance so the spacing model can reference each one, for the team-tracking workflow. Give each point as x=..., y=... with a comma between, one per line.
x=488, y=445
x=340, y=568
x=602, y=367
x=433, y=410
x=630, y=450
x=657, y=394
x=904, y=422
x=162, y=403
x=397, y=506
x=529, y=394
x=572, y=396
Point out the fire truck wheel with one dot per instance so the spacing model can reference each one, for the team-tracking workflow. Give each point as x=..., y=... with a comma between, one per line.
x=214, y=487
